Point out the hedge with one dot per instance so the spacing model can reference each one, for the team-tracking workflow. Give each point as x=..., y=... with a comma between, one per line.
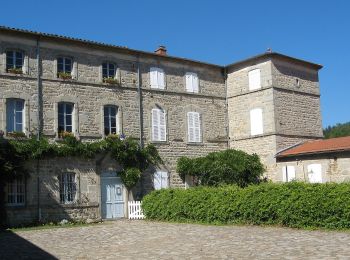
x=293, y=204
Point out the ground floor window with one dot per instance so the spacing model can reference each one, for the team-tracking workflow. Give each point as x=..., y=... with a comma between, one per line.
x=288, y=173
x=314, y=173
x=67, y=188
x=15, y=192
x=161, y=180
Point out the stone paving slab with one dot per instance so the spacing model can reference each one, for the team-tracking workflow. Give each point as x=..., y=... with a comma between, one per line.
x=153, y=240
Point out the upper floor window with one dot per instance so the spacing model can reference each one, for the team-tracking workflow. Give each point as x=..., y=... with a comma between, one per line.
x=191, y=82
x=288, y=173
x=256, y=121
x=110, y=120
x=160, y=180
x=14, y=115
x=15, y=191
x=158, y=125
x=65, y=117
x=14, y=61
x=194, y=127
x=67, y=186
x=254, y=79
x=64, y=67
x=108, y=70
x=157, y=78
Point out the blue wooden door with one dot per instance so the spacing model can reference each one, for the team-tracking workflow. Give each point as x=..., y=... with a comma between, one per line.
x=112, y=198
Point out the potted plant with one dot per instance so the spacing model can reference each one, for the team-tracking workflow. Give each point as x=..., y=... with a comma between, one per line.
x=64, y=75
x=111, y=81
x=15, y=70
x=16, y=134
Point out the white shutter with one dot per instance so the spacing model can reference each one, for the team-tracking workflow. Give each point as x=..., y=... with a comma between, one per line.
x=161, y=79
x=153, y=77
x=190, y=125
x=314, y=173
x=256, y=121
x=194, y=127
x=157, y=180
x=254, y=79
x=155, y=124
x=162, y=125
x=195, y=83
x=189, y=87
x=164, y=179
x=288, y=173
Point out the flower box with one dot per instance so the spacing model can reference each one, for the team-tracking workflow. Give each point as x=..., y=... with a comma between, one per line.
x=111, y=81
x=15, y=71
x=64, y=75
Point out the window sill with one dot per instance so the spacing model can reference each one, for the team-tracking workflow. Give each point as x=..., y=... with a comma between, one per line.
x=159, y=142
x=15, y=206
x=195, y=144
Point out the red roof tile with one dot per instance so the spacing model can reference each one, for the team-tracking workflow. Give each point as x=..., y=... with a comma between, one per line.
x=318, y=146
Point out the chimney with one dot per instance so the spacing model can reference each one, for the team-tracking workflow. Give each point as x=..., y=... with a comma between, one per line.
x=161, y=50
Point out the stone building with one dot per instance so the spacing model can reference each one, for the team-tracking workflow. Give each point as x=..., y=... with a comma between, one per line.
x=51, y=83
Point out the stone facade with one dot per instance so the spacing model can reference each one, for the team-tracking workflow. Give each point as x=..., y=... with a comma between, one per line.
x=288, y=87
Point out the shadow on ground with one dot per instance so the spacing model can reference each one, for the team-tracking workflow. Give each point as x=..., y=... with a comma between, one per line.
x=12, y=246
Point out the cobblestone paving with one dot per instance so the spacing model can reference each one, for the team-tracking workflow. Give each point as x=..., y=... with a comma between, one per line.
x=151, y=240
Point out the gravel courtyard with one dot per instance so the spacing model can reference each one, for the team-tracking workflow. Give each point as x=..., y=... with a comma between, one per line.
x=151, y=240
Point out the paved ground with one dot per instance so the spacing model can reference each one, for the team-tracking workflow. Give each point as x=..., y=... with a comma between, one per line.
x=150, y=240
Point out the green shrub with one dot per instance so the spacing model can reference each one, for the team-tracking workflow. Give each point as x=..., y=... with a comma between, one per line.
x=225, y=167
x=292, y=204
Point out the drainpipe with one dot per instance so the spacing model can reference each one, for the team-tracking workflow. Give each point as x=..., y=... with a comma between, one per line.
x=39, y=114
x=139, y=92
x=226, y=111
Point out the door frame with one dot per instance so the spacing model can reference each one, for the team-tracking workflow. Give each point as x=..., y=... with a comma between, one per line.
x=109, y=175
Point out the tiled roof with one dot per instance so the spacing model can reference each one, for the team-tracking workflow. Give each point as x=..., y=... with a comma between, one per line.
x=318, y=146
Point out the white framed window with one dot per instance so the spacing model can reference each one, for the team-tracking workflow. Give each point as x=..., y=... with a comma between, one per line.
x=256, y=121
x=288, y=172
x=157, y=78
x=161, y=180
x=254, y=79
x=15, y=192
x=110, y=116
x=192, y=82
x=194, y=132
x=314, y=172
x=108, y=70
x=67, y=184
x=15, y=115
x=65, y=117
x=14, y=60
x=158, y=125
x=64, y=65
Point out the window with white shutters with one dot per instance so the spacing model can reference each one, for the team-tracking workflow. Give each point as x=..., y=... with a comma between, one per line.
x=254, y=79
x=194, y=127
x=160, y=180
x=288, y=173
x=314, y=173
x=157, y=78
x=256, y=121
x=158, y=125
x=192, y=82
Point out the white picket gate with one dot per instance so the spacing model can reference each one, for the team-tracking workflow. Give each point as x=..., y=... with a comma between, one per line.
x=135, y=210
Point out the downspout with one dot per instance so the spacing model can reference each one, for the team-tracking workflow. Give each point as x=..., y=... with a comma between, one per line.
x=226, y=112
x=39, y=114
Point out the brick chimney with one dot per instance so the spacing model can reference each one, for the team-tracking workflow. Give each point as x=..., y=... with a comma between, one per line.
x=161, y=50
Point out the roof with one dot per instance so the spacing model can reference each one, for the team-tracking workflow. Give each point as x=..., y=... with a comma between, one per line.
x=332, y=145
x=126, y=49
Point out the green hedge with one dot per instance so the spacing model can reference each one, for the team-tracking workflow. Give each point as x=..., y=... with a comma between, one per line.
x=293, y=205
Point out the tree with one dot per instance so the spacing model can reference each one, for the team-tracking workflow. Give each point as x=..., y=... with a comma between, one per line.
x=338, y=130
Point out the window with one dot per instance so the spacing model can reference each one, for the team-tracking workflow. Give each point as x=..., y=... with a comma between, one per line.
x=15, y=192
x=288, y=173
x=67, y=187
x=191, y=82
x=108, y=70
x=194, y=127
x=110, y=120
x=64, y=65
x=160, y=180
x=65, y=117
x=158, y=125
x=157, y=78
x=314, y=173
x=14, y=60
x=254, y=79
x=256, y=121
x=15, y=115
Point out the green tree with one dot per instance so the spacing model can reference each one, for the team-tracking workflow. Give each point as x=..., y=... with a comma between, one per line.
x=338, y=130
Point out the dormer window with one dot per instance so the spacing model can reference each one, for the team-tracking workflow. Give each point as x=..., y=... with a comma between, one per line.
x=14, y=62
x=64, y=67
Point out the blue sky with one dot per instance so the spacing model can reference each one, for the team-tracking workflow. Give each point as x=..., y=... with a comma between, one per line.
x=219, y=32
